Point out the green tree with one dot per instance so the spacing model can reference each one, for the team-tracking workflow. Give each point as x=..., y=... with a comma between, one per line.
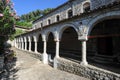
x=7, y=21
x=31, y=16
x=46, y=11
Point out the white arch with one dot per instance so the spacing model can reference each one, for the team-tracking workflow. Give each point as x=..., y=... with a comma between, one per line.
x=48, y=33
x=62, y=28
x=109, y=15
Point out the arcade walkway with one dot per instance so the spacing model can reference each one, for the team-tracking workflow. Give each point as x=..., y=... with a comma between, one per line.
x=33, y=69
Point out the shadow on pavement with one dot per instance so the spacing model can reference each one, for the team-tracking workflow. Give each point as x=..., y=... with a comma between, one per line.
x=9, y=71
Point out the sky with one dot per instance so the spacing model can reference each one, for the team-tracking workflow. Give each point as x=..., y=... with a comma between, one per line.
x=26, y=6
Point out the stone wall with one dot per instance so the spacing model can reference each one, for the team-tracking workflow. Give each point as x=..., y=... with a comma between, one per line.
x=1, y=62
x=36, y=55
x=75, y=5
x=99, y=3
x=62, y=11
x=89, y=71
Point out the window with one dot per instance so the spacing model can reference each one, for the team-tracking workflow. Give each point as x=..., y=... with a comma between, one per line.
x=70, y=13
x=49, y=21
x=86, y=7
x=57, y=18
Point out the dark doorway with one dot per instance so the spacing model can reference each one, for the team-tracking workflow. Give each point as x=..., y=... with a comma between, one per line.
x=27, y=44
x=40, y=44
x=103, y=46
x=51, y=48
x=70, y=46
x=32, y=44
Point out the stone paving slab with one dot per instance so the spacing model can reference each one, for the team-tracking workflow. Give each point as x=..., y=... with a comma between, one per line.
x=33, y=69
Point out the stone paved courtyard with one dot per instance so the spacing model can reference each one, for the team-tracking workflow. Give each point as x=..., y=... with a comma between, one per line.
x=30, y=68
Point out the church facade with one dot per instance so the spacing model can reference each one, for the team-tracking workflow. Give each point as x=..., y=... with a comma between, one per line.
x=80, y=37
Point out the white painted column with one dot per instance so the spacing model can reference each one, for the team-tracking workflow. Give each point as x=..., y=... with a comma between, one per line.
x=36, y=47
x=84, y=60
x=45, y=55
x=29, y=44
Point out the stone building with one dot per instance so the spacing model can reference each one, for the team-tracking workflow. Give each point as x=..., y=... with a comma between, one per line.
x=80, y=37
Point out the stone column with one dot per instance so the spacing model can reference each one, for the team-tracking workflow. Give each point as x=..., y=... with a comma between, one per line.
x=22, y=44
x=36, y=47
x=57, y=53
x=29, y=44
x=57, y=49
x=45, y=55
x=25, y=43
x=84, y=60
x=14, y=43
x=18, y=44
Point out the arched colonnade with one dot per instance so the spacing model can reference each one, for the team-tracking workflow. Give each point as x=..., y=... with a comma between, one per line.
x=74, y=39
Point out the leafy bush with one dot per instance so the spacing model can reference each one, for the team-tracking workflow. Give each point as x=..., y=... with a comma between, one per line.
x=7, y=21
x=17, y=32
x=24, y=24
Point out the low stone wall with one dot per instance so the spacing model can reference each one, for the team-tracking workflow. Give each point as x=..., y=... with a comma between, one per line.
x=35, y=55
x=89, y=71
x=1, y=63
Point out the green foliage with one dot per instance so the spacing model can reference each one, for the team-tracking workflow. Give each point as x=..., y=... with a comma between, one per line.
x=7, y=22
x=17, y=32
x=31, y=16
x=46, y=11
x=24, y=24
x=26, y=19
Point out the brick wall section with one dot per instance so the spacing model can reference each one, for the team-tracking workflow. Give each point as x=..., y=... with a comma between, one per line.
x=90, y=72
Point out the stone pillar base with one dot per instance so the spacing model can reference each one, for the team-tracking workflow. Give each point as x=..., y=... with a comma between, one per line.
x=84, y=63
x=45, y=58
x=55, y=63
